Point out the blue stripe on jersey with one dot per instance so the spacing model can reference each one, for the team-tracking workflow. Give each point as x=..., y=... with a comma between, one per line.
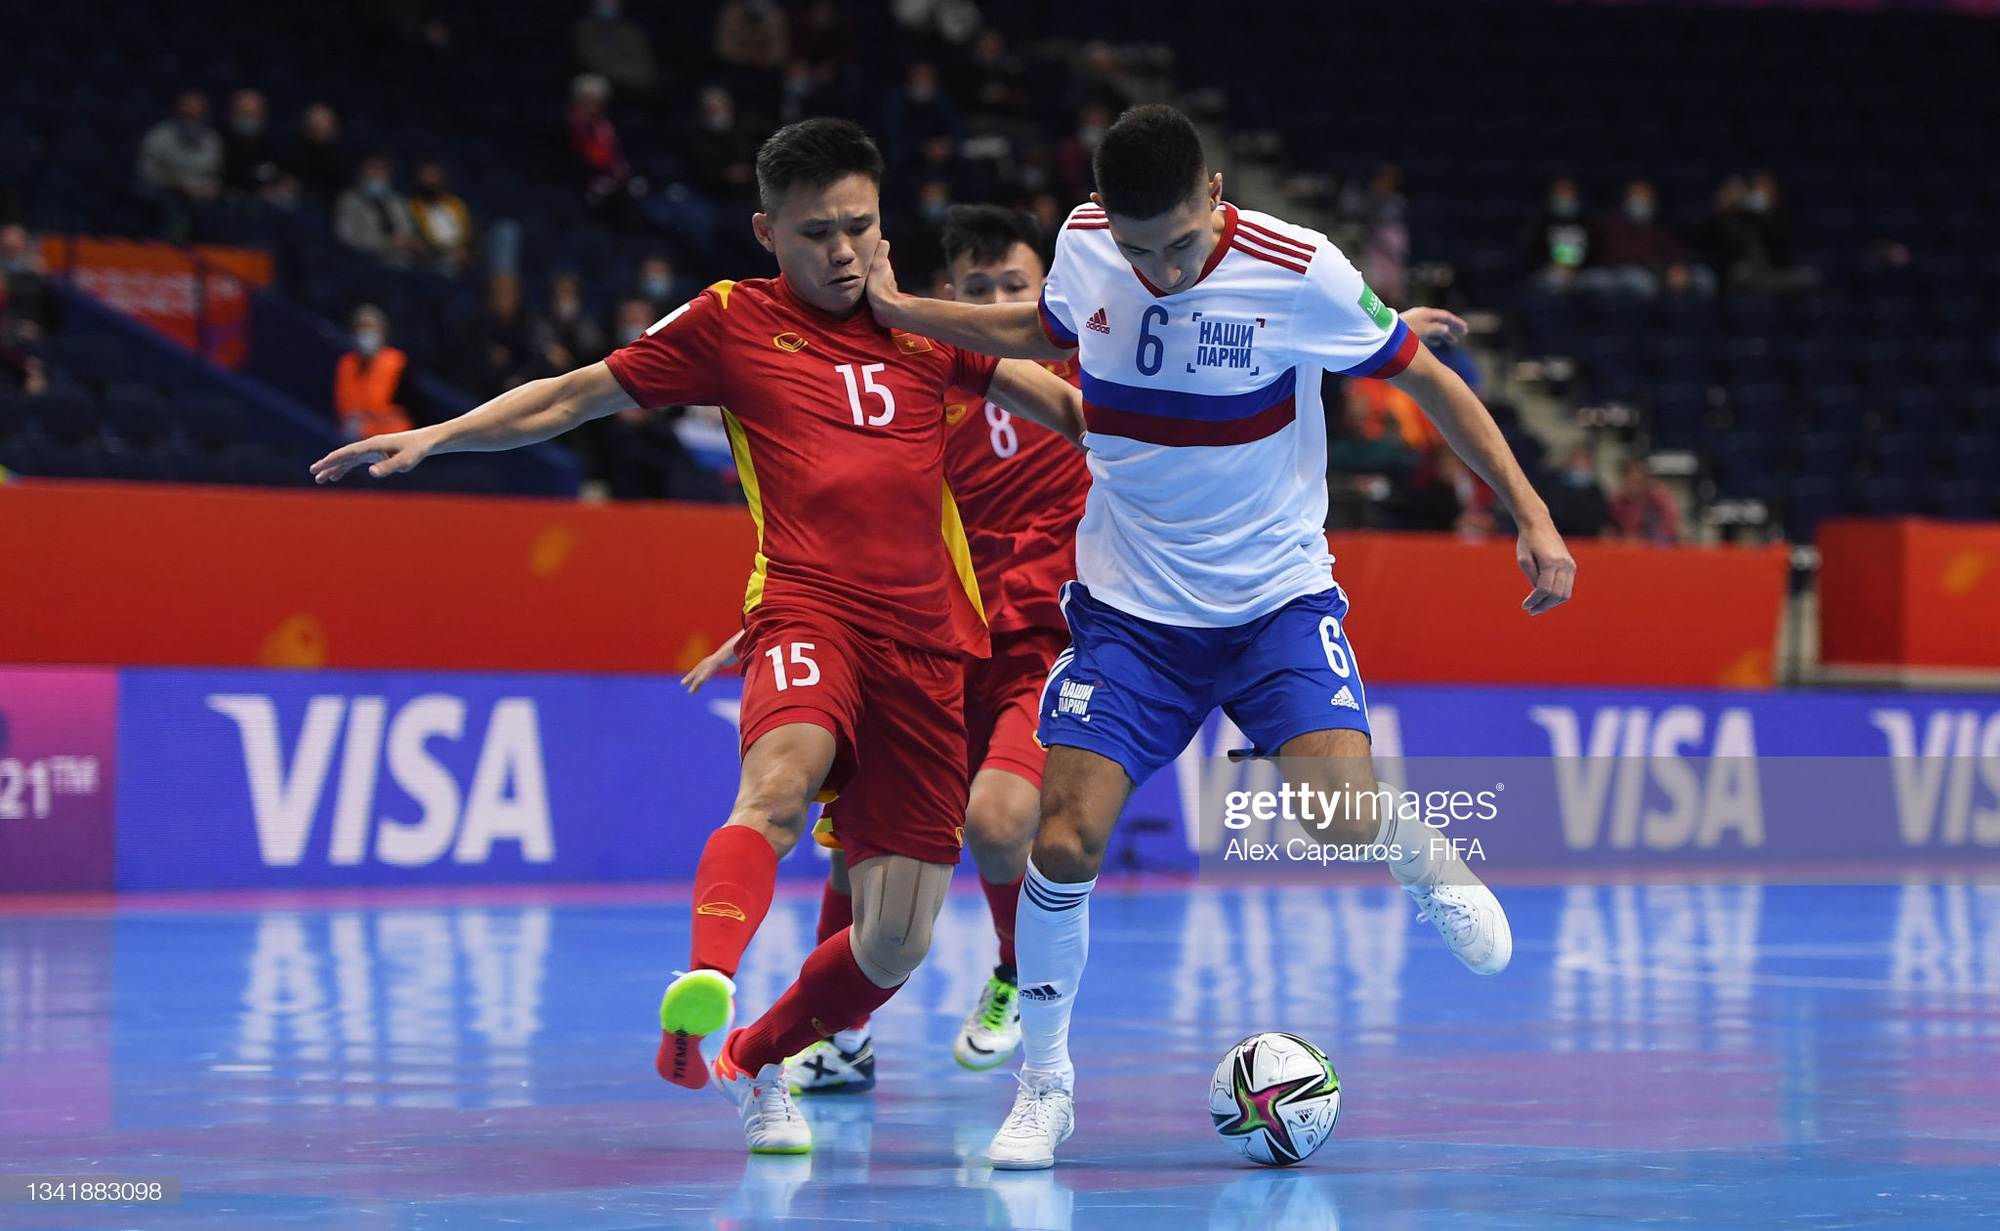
x=1175, y=404
x=1058, y=333
x=1383, y=353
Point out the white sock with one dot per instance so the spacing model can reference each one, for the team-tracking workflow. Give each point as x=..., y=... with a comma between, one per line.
x=1419, y=862
x=849, y=1040
x=1051, y=944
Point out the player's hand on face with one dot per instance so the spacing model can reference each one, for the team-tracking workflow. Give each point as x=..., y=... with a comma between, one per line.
x=882, y=291
x=706, y=669
x=383, y=455
x=1547, y=562
x=1435, y=325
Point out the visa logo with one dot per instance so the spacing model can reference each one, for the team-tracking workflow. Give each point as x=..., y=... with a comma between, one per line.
x=1631, y=747
x=507, y=800
x=1935, y=784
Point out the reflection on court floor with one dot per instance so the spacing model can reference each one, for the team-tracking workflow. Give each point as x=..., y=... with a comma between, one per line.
x=1715, y=1054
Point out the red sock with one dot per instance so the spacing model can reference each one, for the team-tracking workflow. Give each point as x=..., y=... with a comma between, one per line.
x=732, y=890
x=830, y=994
x=1003, y=901
x=836, y=912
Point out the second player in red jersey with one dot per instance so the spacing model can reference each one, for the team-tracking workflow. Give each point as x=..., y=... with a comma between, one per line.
x=861, y=609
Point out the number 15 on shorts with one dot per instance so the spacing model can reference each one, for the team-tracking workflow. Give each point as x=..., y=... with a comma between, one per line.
x=805, y=672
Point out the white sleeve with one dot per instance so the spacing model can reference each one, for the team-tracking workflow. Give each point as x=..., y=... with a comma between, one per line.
x=1343, y=326
x=1054, y=310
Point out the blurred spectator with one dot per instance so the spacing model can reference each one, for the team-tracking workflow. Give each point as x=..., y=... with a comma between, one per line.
x=721, y=147
x=916, y=113
x=249, y=157
x=1637, y=251
x=800, y=95
x=993, y=80
x=1389, y=408
x=1576, y=501
x=565, y=336
x=1367, y=444
x=647, y=461
x=617, y=50
x=752, y=34
x=1559, y=240
x=370, y=383
x=374, y=218
x=490, y=352
x=658, y=287
x=180, y=164
x=629, y=321
x=822, y=37
x=1099, y=82
x=609, y=187
x=32, y=310
x=953, y=21
x=442, y=220
x=1377, y=213
x=1074, y=177
x=1745, y=238
x=29, y=310
x=319, y=163
x=1644, y=509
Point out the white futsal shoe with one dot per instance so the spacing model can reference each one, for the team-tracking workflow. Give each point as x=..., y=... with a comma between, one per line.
x=1468, y=916
x=771, y=1121
x=993, y=1029
x=1043, y=1117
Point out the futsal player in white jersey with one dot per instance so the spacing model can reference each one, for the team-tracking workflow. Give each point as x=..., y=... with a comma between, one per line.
x=1203, y=574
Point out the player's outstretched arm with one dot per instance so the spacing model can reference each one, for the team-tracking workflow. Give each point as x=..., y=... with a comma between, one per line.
x=521, y=416
x=1435, y=325
x=1472, y=434
x=1005, y=330
x=1033, y=392
x=707, y=668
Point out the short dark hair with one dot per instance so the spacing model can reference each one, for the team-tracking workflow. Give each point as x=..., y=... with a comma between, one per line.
x=1149, y=162
x=815, y=153
x=987, y=233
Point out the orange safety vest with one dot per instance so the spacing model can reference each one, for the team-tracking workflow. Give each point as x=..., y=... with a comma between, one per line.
x=364, y=391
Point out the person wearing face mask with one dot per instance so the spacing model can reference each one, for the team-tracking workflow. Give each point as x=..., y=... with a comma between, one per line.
x=249, y=160
x=318, y=161
x=1745, y=238
x=1575, y=498
x=370, y=383
x=658, y=287
x=1560, y=240
x=753, y=34
x=565, y=335
x=1636, y=249
x=374, y=218
x=442, y=220
x=617, y=50
x=180, y=164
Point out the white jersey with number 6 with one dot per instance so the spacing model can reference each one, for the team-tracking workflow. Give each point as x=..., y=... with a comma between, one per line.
x=1207, y=440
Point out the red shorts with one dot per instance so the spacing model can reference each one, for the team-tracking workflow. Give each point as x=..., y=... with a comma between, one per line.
x=1002, y=701
x=896, y=715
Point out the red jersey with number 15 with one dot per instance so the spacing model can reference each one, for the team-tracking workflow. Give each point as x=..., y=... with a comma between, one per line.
x=837, y=427
x=1020, y=489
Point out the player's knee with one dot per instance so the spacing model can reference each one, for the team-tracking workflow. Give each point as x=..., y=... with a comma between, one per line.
x=1066, y=848
x=777, y=813
x=888, y=955
x=998, y=830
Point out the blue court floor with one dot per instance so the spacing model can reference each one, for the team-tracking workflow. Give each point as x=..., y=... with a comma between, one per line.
x=1704, y=1055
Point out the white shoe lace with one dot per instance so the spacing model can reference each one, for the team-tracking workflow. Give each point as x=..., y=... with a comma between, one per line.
x=1034, y=1109
x=1450, y=914
x=774, y=1102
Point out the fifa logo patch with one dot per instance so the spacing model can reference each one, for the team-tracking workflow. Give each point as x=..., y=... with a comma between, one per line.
x=1382, y=314
x=790, y=343
x=1074, y=698
x=722, y=910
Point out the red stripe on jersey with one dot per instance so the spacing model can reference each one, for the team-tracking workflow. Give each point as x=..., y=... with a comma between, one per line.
x=1088, y=226
x=1263, y=255
x=1165, y=430
x=1394, y=364
x=1280, y=241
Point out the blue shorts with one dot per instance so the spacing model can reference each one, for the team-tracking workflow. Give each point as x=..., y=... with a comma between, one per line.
x=1137, y=692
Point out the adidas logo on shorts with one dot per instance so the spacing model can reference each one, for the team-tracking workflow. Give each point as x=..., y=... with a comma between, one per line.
x=1345, y=697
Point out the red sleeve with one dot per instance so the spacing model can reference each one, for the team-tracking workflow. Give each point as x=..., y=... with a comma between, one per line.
x=972, y=372
x=678, y=361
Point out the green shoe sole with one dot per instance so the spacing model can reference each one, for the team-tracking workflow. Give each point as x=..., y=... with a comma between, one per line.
x=696, y=1003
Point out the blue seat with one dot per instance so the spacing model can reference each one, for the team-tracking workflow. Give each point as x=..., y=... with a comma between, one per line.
x=68, y=415
x=136, y=414
x=1808, y=500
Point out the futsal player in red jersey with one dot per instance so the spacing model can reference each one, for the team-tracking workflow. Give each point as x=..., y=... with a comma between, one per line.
x=1020, y=489
x=862, y=606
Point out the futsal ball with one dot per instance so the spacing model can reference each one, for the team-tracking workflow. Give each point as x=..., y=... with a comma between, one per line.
x=1275, y=1098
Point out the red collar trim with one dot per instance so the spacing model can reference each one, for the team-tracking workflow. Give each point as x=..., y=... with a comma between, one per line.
x=1222, y=242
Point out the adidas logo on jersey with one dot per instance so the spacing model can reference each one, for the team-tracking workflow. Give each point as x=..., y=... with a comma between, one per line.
x=1345, y=697
x=1098, y=322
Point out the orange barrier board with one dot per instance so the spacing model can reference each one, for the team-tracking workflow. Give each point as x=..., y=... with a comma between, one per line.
x=1909, y=592
x=158, y=574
